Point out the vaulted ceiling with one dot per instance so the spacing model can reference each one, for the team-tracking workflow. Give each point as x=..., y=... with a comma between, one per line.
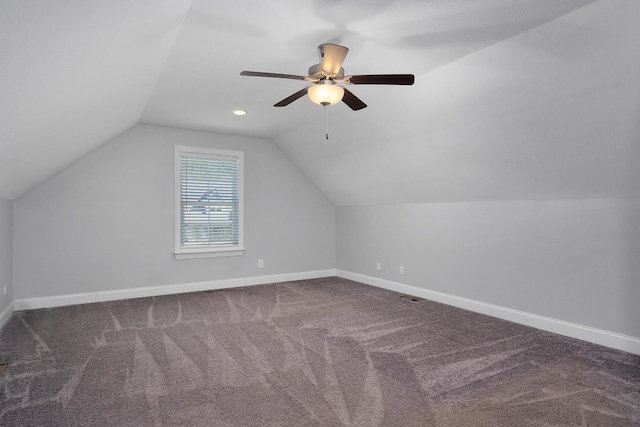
x=513, y=99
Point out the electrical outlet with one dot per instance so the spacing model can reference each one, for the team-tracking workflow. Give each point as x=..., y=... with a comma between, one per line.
x=402, y=269
x=260, y=263
x=378, y=266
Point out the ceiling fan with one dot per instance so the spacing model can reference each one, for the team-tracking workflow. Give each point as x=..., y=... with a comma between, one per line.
x=328, y=74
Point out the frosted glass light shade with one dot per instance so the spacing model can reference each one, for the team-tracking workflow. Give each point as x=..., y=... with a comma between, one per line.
x=325, y=93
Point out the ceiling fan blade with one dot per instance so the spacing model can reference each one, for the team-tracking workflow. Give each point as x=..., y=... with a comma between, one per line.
x=382, y=79
x=276, y=75
x=353, y=101
x=333, y=57
x=288, y=100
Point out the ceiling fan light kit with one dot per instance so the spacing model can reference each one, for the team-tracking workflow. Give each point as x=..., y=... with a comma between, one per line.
x=326, y=93
x=326, y=76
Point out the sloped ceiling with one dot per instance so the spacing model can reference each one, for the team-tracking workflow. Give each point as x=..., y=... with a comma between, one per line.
x=513, y=99
x=73, y=75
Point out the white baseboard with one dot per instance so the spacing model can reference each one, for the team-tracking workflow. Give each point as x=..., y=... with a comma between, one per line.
x=6, y=313
x=90, y=297
x=585, y=333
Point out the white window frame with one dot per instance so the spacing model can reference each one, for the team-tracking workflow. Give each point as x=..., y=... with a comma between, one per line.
x=181, y=252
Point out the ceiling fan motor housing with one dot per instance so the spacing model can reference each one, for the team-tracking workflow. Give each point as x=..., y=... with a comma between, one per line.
x=317, y=73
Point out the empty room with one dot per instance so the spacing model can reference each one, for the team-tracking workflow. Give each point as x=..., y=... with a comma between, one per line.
x=320, y=213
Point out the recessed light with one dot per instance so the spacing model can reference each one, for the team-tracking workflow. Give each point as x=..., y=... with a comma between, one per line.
x=239, y=112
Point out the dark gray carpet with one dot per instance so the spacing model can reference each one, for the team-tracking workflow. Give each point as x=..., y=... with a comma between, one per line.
x=324, y=352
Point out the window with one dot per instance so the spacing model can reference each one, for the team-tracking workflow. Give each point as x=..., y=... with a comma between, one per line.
x=208, y=202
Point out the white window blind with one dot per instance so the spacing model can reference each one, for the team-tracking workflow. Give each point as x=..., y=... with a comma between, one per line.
x=209, y=200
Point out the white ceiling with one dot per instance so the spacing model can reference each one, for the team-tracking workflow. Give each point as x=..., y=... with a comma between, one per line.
x=513, y=99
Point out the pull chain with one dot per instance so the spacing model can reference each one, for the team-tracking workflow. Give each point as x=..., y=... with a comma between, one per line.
x=325, y=104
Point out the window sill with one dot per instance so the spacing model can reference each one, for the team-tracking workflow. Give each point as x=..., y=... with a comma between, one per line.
x=194, y=255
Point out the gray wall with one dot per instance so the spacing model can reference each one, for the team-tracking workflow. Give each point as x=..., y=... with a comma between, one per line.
x=107, y=222
x=6, y=252
x=572, y=260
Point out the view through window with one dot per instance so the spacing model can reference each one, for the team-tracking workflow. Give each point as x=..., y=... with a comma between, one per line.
x=209, y=199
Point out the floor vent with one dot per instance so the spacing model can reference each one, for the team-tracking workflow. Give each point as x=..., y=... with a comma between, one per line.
x=3, y=368
x=412, y=298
